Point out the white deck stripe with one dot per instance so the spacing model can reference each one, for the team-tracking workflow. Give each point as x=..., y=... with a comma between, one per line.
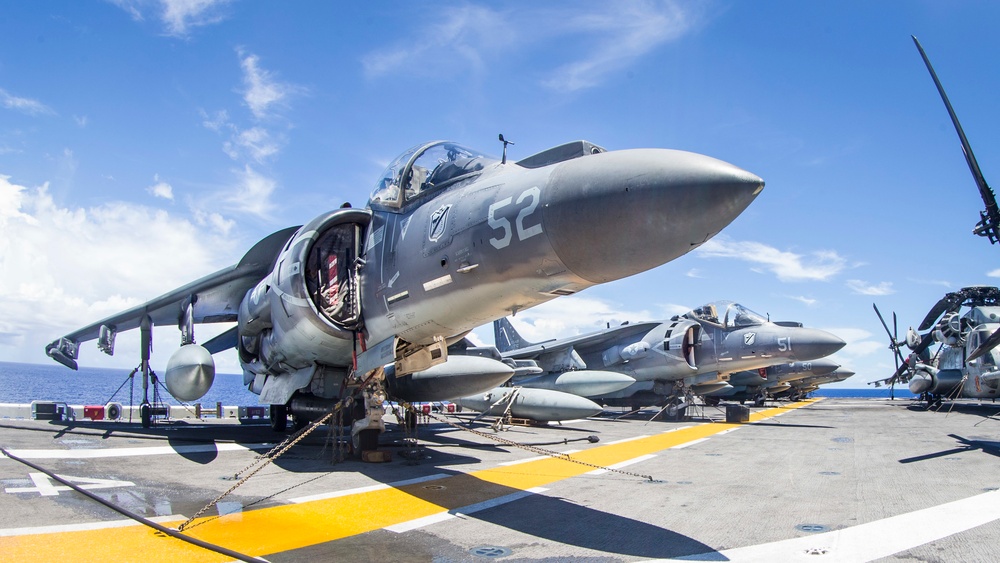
x=676, y=429
x=623, y=440
x=133, y=452
x=380, y=486
x=874, y=540
x=84, y=527
x=470, y=509
x=625, y=463
x=536, y=458
x=691, y=443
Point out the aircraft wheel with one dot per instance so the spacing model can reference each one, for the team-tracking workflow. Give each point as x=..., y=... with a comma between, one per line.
x=279, y=418
x=712, y=401
x=758, y=402
x=298, y=422
x=364, y=441
x=146, y=415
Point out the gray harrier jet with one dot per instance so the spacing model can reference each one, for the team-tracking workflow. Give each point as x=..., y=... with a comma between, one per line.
x=365, y=302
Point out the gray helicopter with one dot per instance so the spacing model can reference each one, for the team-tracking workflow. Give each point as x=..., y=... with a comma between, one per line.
x=362, y=304
x=965, y=364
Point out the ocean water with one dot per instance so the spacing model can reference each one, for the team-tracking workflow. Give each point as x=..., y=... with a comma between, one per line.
x=868, y=392
x=23, y=383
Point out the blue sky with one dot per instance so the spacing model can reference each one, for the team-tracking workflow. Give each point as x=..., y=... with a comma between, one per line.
x=144, y=144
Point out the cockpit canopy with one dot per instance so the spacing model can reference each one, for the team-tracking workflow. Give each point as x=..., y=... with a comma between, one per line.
x=424, y=169
x=726, y=314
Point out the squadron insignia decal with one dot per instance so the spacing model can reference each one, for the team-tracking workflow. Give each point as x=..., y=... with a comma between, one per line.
x=749, y=338
x=439, y=220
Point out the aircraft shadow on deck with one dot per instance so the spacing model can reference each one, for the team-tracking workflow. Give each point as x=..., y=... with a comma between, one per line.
x=559, y=520
x=991, y=448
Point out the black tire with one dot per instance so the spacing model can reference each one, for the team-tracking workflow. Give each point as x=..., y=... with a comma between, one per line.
x=298, y=423
x=146, y=415
x=366, y=440
x=279, y=418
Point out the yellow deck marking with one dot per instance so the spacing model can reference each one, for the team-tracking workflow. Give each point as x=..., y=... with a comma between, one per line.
x=283, y=528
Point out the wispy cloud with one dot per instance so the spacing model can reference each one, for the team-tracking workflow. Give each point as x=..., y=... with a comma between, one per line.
x=252, y=140
x=463, y=36
x=819, y=265
x=23, y=105
x=622, y=32
x=865, y=288
x=941, y=283
x=471, y=38
x=693, y=273
x=178, y=17
x=251, y=193
x=262, y=91
x=803, y=299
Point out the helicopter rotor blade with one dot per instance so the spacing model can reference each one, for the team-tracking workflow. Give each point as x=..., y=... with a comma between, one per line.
x=893, y=344
x=950, y=302
x=989, y=225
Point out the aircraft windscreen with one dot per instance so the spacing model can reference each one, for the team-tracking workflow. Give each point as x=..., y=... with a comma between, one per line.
x=433, y=166
x=386, y=190
x=739, y=316
x=440, y=164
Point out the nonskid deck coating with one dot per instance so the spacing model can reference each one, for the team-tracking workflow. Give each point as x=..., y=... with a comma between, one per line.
x=735, y=490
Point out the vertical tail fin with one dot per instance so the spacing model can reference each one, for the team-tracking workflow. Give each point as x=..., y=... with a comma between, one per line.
x=506, y=337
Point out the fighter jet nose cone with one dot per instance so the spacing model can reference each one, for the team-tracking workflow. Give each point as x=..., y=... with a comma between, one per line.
x=824, y=367
x=616, y=214
x=811, y=344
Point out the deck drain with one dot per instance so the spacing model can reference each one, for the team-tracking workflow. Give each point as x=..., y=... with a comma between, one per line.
x=683, y=482
x=990, y=489
x=817, y=551
x=844, y=440
x=490, y=551
x=829, y=473
x=811, y=528
x=653, y=481
x=434, y=487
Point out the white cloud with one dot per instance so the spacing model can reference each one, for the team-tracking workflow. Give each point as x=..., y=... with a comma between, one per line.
x=994, y=273
x=80, y=120
x=694, y=273
x=864, y=288
x=177, y=16
x=255, y=142
x=803, y=299
x=24, y=105
x=471, y=38
x=181, y=15
x=623, y=32
x=459, y=38
x=62, y=268
x=820, y=265
x=262, y=92
x=252, y=193
x=161, y=189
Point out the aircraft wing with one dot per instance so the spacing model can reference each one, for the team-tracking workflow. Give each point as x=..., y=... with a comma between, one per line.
x=216, y=298
x=581, y=342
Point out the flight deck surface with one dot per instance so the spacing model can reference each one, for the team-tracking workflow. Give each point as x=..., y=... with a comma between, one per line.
x=830, y=480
